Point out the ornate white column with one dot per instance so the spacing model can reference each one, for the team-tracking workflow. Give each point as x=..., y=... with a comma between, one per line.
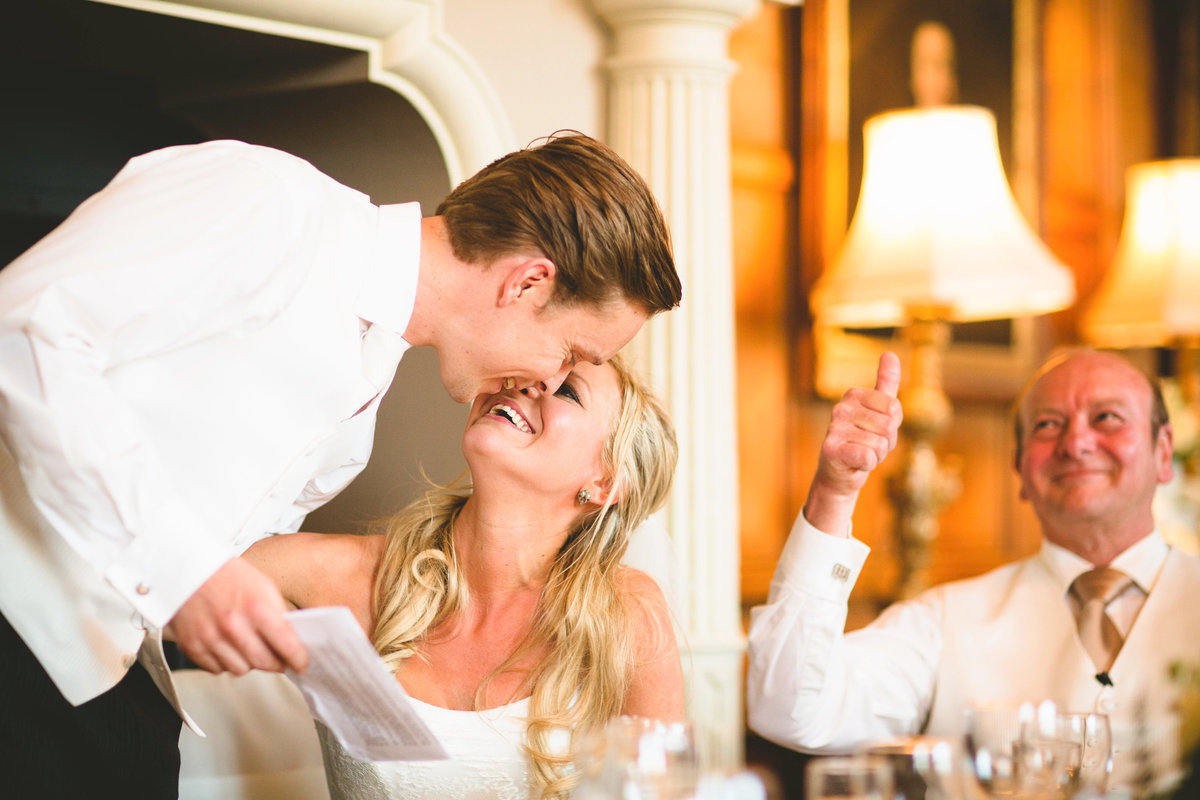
x=669, y=116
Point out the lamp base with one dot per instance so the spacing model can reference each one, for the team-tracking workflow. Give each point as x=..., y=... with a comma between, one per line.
x=922, y=486
x=919, y=490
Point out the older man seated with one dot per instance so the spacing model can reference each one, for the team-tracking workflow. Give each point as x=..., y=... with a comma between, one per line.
x=1093, y=441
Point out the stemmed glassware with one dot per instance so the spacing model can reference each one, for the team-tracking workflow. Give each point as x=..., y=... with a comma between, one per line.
x=1094, y=734
x=992, y=730
x=854, y=777
x=638, y=757
x=925, y=767
x=1049, y=755
x=1034, y=750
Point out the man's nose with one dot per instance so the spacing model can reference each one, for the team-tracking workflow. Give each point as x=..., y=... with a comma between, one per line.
x=550, y=385
x=1077, y=439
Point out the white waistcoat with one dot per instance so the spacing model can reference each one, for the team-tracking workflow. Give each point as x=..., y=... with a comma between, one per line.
x=1010, y=635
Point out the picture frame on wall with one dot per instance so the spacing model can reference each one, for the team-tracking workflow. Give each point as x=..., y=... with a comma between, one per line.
x=856, y=61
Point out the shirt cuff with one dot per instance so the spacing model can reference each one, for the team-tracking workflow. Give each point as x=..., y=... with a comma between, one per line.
x=157, y=574
x=825, y=566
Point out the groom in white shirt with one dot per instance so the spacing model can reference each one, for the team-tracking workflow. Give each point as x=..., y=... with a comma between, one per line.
x=1092, y=443
x=194, y=359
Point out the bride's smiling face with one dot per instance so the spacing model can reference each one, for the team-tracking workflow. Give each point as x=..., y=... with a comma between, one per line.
x=553, y=440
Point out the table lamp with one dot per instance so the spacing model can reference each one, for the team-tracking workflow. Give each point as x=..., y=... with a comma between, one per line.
x=936, y=238
x=1151, y=295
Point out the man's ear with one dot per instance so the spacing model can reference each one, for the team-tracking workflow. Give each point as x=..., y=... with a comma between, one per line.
x=528, y=280
x=1016, y=465
x=1164, y=452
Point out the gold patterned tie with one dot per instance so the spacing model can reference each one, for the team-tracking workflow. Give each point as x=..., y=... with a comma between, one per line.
x=1094, y=590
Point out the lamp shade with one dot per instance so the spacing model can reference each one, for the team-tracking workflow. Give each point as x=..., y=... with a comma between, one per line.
x=1151, y=294
x=937, y=227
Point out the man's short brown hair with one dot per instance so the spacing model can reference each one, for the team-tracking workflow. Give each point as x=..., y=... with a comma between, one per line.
x=573, y=200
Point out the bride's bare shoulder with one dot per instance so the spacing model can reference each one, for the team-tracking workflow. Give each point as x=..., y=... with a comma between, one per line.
x=320, y=569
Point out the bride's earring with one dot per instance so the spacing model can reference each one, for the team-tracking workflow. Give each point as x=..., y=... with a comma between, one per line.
x=584, y=497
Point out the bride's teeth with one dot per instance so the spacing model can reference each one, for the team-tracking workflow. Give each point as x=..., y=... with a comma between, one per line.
x=506, y=411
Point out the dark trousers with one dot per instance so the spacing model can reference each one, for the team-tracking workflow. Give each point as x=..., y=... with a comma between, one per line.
x=122, y=744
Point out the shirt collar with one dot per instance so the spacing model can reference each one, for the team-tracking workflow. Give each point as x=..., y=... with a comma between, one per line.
x=1140, y=561
x=389, y=288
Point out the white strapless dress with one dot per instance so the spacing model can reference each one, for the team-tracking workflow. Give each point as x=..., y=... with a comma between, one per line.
x=486, y=760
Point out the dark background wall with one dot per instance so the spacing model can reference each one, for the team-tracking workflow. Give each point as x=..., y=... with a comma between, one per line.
x=84, y=86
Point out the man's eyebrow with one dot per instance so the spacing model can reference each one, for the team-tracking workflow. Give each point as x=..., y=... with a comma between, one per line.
x=1110, y=401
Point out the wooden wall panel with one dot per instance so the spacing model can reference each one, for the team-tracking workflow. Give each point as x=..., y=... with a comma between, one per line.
x=1098, y=66
x=1099, y=117
x=763, y=183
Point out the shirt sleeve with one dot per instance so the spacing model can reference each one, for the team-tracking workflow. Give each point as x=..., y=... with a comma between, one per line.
x=809, y=686
x=185, y=243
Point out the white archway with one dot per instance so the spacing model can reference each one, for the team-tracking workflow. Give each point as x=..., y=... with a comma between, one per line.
x=407, y=51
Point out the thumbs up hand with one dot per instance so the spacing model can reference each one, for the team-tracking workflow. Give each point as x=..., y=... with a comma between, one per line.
x=863, y=429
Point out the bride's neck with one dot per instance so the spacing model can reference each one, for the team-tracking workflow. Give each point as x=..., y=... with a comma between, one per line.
x=501, y=550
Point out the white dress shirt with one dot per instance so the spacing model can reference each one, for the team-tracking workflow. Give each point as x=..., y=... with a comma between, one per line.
x=192, y=360
x=1008, y=634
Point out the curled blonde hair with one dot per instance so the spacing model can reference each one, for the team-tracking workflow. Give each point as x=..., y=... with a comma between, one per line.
x=582, y=617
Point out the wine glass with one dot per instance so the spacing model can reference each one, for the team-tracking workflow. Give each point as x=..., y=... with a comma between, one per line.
x=856, y=777
x=639, y=757
x=1049, y=754
x=1094, y=734
x=746, y=784
x=992, y=731
x=924, y=767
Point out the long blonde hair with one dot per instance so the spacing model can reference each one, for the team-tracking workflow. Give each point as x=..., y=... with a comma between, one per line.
x=582, y=618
